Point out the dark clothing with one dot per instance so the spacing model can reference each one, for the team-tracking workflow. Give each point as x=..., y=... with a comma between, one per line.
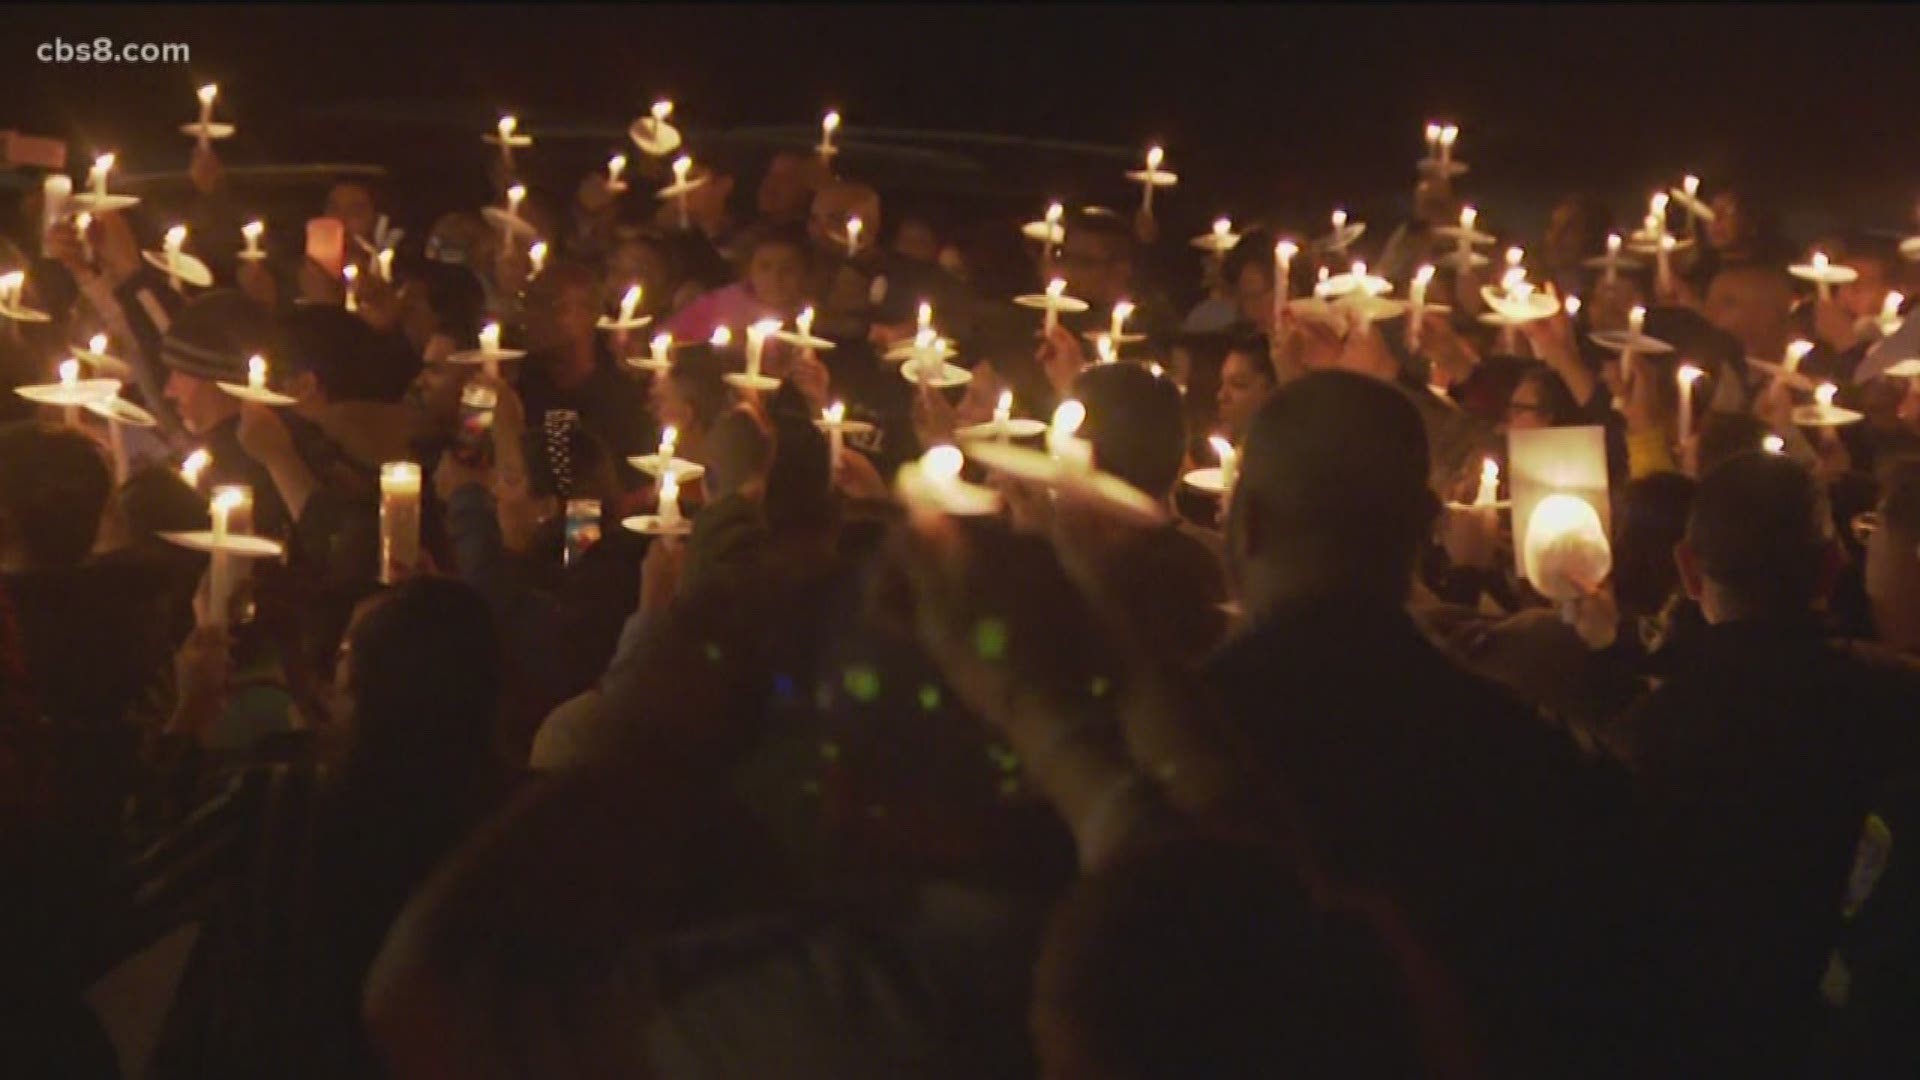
x=1758, y=762
x=1175, y=609
x=613, y=408
x=1509, y=851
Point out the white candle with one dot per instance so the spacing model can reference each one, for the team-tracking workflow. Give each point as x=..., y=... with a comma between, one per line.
x=252, y=232
x=1061, y=443
x=1571, y=306
x=1055, y=290
x=1657, y=213
x=193, y=465
x=616, y=165
x=1687, y=376
x=834, y=418
x=661, y=110
x=70, y=378
x=225, y=501
x=83, y=224
x=537, y=256
x=175, y=239
x=1691, y=185
x=669, y=512
x=1774, y=444
x=1613, y=257
x=1283, y=253
x=804, y=321
x=97, y=344
x=829, y=124
x=1339, y=224
x=97, y=176
x=1823, y=395
x=352, y=274
x=1796, y=352
x=1003, y=416
x=925, y=321
x=506, y=129
x=854, y=225
x=514, y=194
x=1103, y=347
x=1824, y=290
x=660, y=344
x=629, y=303
x=1122, y=311
x=1489, y=491
x=757, y=336
x=926, y=357
x=1447, y=135
x=1222, y=236
x=399, y=521
x=1229, y=463
x=1664, y=271
x=206, y=95
x=1636, y=319
x=383, y=262
x=1890, y=311
x=682, y=168
x=669, y=439
x=1155, y=155
x=256, y=372
x=721, y=337
x=489, y=350
x=1433, y=141
x=1417, y=300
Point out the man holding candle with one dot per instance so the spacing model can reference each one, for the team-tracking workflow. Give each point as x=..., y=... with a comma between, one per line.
x=210, y=342
x=569, y=366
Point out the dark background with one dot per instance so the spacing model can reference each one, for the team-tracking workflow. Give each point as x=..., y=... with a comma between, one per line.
x=1293, y=107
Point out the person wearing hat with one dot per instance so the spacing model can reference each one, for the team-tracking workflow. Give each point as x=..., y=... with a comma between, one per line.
x=210, y=343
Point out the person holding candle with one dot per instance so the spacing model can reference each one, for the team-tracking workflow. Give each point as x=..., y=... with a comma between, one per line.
x=787, y=187
x=708, y=206
x=209, y=342
x=779, y=274
x=1246, y=382
x=569, y=366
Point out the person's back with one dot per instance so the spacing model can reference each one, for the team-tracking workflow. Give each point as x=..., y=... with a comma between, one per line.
x=1760, y=759
x=1506, y=847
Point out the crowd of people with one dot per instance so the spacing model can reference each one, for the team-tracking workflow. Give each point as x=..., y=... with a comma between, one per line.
x=1300, y=773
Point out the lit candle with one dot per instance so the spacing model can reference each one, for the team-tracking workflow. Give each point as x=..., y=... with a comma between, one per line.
x=70, y=378
x=1572, y=307
x=193, y=465
x=1774, y=444
x=83, y=224
x=833, y=417
x=1122, y=311
x=1467, y=217
x=1664, y=271
x=537, y=256
x=1657, y=213
x=97, y=344
x=829, y=124
x=616, y=165
x=514, y=195
x=926, y=357
x=1489, y=491
x=660, y=344
x=352, y=274
x=1061, y=442
x=757, y=335
x=682, y=168
x=1155, y=155
x=804, y=321
x=721, y=337
x=1003, y=416
x=1636, y=319
x=1229, y=463
x=661, y=110
x=1890, y=313
x=97, y=176
x=506, y=128
x=206, y=94
x=1339, y=223
x=1054, y=213
x=1687, y=375
x=399, y=521
x=1823, y=396
x=225, y=501
x=1691, y=185
x=1433, y=141
x=490, y=349
x=1103, y=347
x=1447, y=135
x=1055, y=290
x=383, y=262
x=256, y=372
x=629, y=303
x=1613, y=257
x=1222, y=236
x=669, y=439
x=854, y=225
x=1283, y=253
x=1820, y=264
x=1796, y=352
x=669, y=512
x=925, y=322
x=175, y=239
x=1515, y=256
x=1417, y=300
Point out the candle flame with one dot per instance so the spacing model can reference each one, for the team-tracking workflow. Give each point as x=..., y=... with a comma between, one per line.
x=1489, y=471
x=175, y=237
x=1067, y=418
x=1448, y=134
x=1613, y=244
x=1155, y=155
x=506, y=126
x=1571, y=306
x=830, y=123
x=1104, y=346
x=1658, y=204
x=207, y=93
x=537, y=255
x=722, y=337
x=616, y=165
x=1819, y=260
x=942, y=463
x=1667, y=244
x=1339, y=220
x=227, y=499
x=1468, y=215
x=1773, y=444
x=763, y=329
x=1688, y=373
x=1423, y=276
x=669, y=438
x=1824, y=395
x=682, y=165
x=514, y=195
x=1123, y=310
x=1691, y=185
x=1796, y=352
x=805, y=321
x=1005, y=406
x=834, y=413
x=1222, y=449
x=926, y=315
x=104, y=162
x=1221, y=227
x=1286, y=250
x=384, y=263
x=257, y=372
x=1636, y=317
x=1890, y=307
x=1057, y=288
x=97, y=344
x=629, y=301
x=1054, y=213
x=661, y=343
x=1514, y=257
x=490, y=337
x=1433, y=133
x=252, y=230
x=661, y=110
x=193, y=465
x=69, y=372
x=854, y=225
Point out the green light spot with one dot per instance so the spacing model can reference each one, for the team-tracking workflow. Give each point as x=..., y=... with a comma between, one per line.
x=811, y=787
x=1010, y=786
x=829, y=751
x=990, y=639
x=713, y=653
x=1100, y=686
x=929, y=698
x=862, y=682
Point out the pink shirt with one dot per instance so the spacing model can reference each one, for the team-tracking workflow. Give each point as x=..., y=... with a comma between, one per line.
x=733, y=307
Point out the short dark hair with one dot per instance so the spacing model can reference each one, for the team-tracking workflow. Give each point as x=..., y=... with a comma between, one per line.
x=1900, y=494
x=1252, y=345
x=1334, y=474
x=53, y=489
x=344, y=355
x=1107, y=225
x=1725, y=435
x=1137, y=424
x=1255, y=248
x=1758, y=526
x=782, y=234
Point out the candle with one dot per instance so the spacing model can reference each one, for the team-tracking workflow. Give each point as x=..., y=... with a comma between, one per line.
x=256, y=372
x=1489, y=490
x=1222, y=236
x=537, y=256
x=383, y=262
x=834, y=418
x=1572, y=307
x=1690, y=184
x=1657, y=213
x=252, y=232
x=352, y=274
x=1061, y=443
x=1155, y=155
x=506, y=128
x=1003, y=416
x=70, y=378
x=1122, y=311
x=669, y=438
x=514, y=194
x=1890, y=312
x=1613, y=257
x=97, y=176
x=1229, y=463
x=829, y=124
x=926, y=357
x=1687, y=375
x=721, y=337
x=1433, y=141
x=1664, y=273
x=1774, y=444
x=1103, y=347
x=1823, y=395
x=1796, y=352
x=1283, y=253
x=1339, y=223
x=489, y=350
x=629, y=303
x=1636, y=319
x=193, y=465
x=11, y=283
x=1515, y=256
x=660, y=344
x=219, y=575
x=661, y=110
x=1824, y=290
x=669, y=512
x=97, y=344
x=174, y=240
x=1447, y=135
x=83, y=224
x=804, y=321
x=757, y=335
x=926, y=318
x=206, y=94
x=1417, y=299
x=399, y=521
x=682, y=168
x=854, y=226
x=1055, y=290
x=616, y=165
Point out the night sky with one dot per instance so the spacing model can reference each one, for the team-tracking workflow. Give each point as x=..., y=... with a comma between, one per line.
x=1288, y=106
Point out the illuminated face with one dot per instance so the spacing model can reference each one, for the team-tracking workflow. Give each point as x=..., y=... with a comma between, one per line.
x=777, y=275
x=1094, y=267
x=642, y=264
x=1730, y=228
x=1863, y=296
x=202, y=405
x=1755, y=307
x=1243, y=389
x=786, y=190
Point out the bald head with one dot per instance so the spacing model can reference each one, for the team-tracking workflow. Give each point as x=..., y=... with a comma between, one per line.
x=1333, y=496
